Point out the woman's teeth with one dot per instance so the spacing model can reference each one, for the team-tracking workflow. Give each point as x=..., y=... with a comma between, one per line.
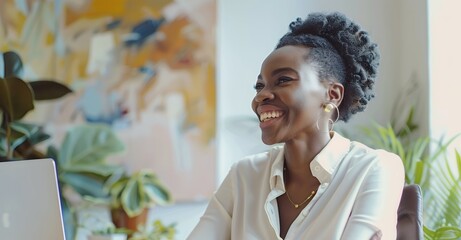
x=265, y=116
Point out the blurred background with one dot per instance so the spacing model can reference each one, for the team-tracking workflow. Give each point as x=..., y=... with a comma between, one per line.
x=172, y=81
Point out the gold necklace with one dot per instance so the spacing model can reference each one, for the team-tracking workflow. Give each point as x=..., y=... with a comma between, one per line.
x=305, y=200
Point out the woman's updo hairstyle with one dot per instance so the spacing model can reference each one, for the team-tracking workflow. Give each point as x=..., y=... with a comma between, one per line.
x=340, y=52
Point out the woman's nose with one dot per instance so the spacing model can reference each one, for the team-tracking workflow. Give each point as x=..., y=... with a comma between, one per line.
x=264, y=95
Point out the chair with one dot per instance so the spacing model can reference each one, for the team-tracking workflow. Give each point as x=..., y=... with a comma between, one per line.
x=410, y=214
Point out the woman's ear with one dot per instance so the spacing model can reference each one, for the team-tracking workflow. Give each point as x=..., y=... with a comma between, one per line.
x=335, y=93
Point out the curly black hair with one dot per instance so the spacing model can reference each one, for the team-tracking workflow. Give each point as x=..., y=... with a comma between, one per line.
x=341, y=52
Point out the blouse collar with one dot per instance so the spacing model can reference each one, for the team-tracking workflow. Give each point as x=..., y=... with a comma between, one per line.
x=322, y=166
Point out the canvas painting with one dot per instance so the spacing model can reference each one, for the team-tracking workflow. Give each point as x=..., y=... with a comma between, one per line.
x=144, y=67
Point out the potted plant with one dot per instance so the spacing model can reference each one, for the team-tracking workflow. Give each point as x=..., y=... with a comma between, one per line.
x=80, y=159
x=82, y=167
x=17, y=97
x=132, y=195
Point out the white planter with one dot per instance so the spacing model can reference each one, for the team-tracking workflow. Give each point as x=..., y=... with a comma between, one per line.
x=118, y=236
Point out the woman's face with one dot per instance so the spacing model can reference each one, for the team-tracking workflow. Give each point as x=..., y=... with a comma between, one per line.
x=289, y=96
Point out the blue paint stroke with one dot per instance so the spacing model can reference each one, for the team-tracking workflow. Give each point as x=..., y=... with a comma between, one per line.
x=142, y=31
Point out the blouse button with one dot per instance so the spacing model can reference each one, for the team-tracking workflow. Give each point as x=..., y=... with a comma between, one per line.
x=316, y=168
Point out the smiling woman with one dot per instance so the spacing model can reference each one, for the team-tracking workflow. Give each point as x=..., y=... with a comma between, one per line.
x=285, y=83
x=316, y=184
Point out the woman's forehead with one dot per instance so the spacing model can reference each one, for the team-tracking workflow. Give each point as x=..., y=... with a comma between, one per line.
x=286, y=57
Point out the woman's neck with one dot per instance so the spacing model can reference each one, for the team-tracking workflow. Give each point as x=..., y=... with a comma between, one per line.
x=300, y=151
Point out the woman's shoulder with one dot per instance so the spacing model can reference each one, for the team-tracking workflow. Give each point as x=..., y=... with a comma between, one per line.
x=362, y=152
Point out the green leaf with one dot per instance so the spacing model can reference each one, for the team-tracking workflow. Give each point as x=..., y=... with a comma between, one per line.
x=23, y=137
x=69, y=220
x=115, y=177
x=132, y=198
x=432, y=170
x=88, y=143
x=22, y=132
x=453, y=209
x=16, y=98
x=84, y=184
x=458, y=162
x=157, y=193
x=52, y=152
x=116, y=189
x=13, y=64
x=442, y=147
x=419, y=172
x=48, y=89
x=101, y=169
x=452, y=233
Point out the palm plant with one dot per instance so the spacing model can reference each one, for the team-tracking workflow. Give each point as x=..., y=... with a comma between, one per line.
x=432, y=170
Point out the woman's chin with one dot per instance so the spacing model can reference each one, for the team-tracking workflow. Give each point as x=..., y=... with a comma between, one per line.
x=269, y=140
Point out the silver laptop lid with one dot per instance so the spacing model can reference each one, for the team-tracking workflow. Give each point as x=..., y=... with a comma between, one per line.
x=29, y=201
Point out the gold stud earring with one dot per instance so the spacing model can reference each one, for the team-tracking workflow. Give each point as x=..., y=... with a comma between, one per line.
x=328, y=107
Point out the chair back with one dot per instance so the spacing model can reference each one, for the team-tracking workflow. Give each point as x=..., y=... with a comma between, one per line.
x=410, y=214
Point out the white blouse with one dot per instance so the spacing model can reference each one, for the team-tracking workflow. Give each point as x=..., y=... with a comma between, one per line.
x=359, y=193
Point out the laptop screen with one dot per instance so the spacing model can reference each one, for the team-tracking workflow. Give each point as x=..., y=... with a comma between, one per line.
x=29, y=201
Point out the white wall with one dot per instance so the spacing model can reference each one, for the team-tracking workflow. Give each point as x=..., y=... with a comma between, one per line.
x=413, y=61
x=445, y=53
x=248, y=31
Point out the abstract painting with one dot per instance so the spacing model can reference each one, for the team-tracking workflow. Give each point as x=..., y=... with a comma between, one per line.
x=144, y=67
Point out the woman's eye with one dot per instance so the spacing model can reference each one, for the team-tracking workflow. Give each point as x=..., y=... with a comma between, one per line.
x=284, y=80
x=258, y=86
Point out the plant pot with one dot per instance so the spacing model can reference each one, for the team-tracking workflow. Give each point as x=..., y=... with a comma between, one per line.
x=114, y=236
x=122, y=220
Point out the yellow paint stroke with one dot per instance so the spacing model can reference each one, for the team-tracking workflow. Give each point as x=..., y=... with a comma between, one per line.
x=96, y=9
x=175, y=44
x=201, y=100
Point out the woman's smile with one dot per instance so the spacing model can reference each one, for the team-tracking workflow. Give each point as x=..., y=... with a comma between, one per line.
x=269, y=118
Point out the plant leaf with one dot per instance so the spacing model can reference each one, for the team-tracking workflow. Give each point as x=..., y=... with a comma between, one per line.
x=88, y=143
x=16, y=98
x=22, y=132
x=52, y=152
x=419, y=172
x=116, y=189
x=68, y=219
x=447, y=233
x=100, y=169
x=13, y=64
x=458, y=162
x=84, y=184
x=157, y=193
x=131, y=198
x=48, y=89
x=154, y=190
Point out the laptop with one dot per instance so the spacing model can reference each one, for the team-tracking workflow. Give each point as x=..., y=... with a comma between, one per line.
x=29, y=201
